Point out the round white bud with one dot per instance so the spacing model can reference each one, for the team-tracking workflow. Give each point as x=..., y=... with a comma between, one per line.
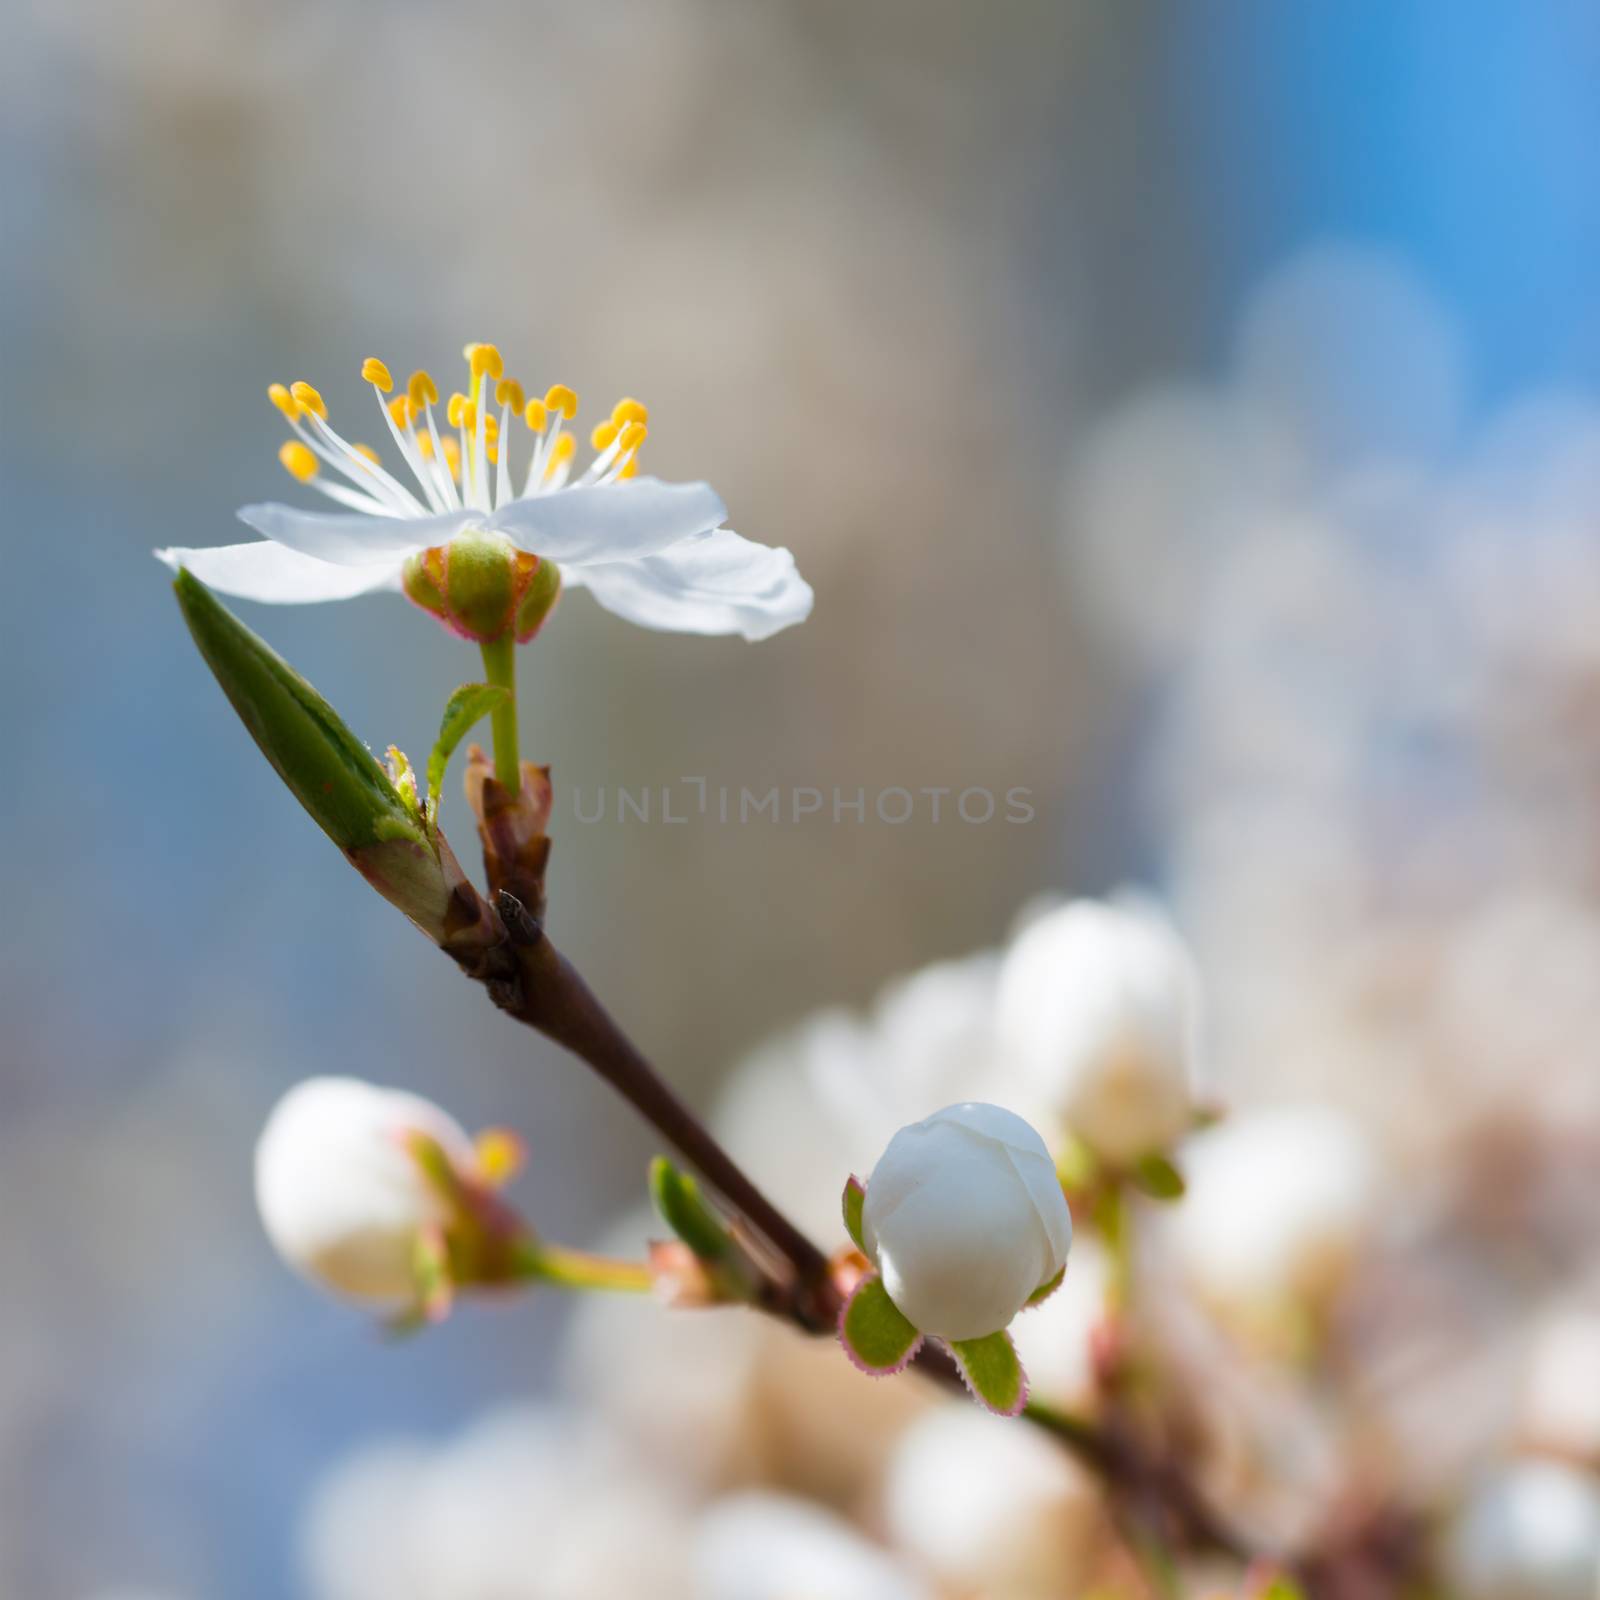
x=341, y=1197
x=1098, y=1006
x=989, y=1509
x=1529, y=1532
x=964, y=1219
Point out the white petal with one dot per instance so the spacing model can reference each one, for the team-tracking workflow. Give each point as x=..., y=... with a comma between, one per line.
x=610, y=522
x=278, y=575
x=358, y=540
x=717, y=583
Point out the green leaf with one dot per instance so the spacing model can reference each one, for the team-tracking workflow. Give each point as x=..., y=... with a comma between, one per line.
x=330, y=771
x=875, y=1332
x=677, y=1198
x=1156, y=1176
x=469, y=704
x=855, y=1196
x=993, y=1372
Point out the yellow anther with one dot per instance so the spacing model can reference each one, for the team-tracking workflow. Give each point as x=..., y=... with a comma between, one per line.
x=425, y=446
x=508, y=392
x=492, y=451
x=402, y=410
x=491, y=426
x=501, y=1155
x=298, y=460
x=629, y=410
x=375, y=373
x=629, y=468
x=560, y=453
x=368, y=452
x=461, y=411
x=602, y=436
x=537, y=415
x=484, y=358
x=284, y=401
x=309, y=399
x=632, y=436
x=558, y=397
x=422, y=389
x=452, y=456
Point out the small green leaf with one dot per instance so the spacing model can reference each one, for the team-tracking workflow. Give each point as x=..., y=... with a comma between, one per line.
x=874, y=1331
x=677, y=1199
x=993, y=1372
x=1046, y=1289
x=855, y=1196
x=468, y=705
x=1156, y=1176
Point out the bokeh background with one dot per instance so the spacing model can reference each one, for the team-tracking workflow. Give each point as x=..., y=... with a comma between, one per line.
x=1186, y=413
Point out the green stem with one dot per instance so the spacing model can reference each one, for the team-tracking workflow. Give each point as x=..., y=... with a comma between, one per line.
x=500, y=667
x=575, y=1269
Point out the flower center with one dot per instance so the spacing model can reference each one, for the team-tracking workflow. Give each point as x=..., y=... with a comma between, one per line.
x=467, y=463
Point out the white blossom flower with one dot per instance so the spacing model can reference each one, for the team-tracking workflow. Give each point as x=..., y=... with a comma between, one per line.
x=1531, y=1531
x=965, y=1220
x=1279, y=1203
x=1098, y=1004
x=987, y=1509
x=343, y=1199
x=652, y=552
x=763, y=1546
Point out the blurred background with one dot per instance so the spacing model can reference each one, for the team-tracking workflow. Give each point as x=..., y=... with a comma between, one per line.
x=1187, y=414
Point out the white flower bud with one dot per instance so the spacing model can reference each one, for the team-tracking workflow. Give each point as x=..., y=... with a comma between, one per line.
x=342, y=1198
x=1530, y=1532
x=1279, y=1204
x=1098, y=1006
x=964, y=1219
x=993, y=1510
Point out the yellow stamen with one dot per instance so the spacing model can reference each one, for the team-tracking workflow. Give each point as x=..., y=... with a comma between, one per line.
x=492, y=451
x=297, y=460
x=403, y=410
x=629, y=410
x=484, y=358
x=367, y=451
x=500, y=1156
x=452, y=456
x=537, y=415
x=508, y=392
x=375, y=373
x=603, y=435
x=284, y=401
x=425, y=446
x=632, y=436
x=422, y=389
x=560, y=454
x=558, y=397
x=629, y=468
x=309, y=399
x=461, y=411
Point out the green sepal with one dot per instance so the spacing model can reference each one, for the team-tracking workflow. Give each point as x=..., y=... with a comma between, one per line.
x=875, y=1333
x=993, y=1372
x=1045, y=1289
x=468, y=705
x=1156, y=1176
x=1279, y=1587
x=854, y=1198
x=677, y=1199
x=330, y=771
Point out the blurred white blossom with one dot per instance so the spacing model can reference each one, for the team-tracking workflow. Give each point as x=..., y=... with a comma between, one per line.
x=1530, y=1531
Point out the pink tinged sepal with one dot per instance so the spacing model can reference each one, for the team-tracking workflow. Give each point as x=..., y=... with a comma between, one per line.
x=436, y=1289
x=855, y=1197
x=875, y=1333
x=991, y=1370
x=1045, y=1290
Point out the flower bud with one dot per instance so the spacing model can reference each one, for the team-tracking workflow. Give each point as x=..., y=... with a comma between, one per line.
x=1098, y=1006
x=965, y=1220
x=348, y=1184
x=482, y=587
x=1529, y=1532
